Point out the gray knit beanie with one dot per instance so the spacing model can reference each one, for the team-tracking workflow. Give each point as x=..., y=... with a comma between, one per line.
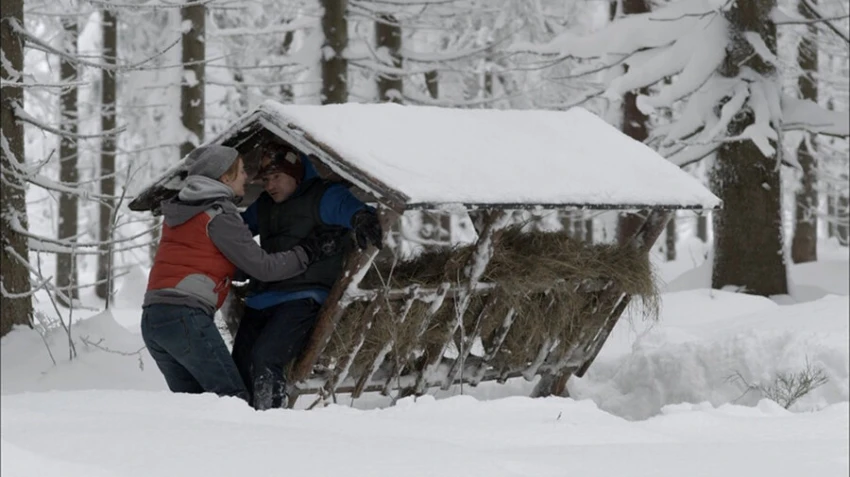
x=211, y=161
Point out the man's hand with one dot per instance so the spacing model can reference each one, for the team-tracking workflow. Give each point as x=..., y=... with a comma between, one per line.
x=367, y=229
x=319, y=246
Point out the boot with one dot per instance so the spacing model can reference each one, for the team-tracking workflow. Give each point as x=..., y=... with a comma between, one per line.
x=269, y=391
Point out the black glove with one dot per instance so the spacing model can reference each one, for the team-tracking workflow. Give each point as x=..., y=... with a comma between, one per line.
x=367, y=229
x=321, y=245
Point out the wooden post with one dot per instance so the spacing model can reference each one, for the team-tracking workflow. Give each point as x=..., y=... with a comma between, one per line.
x=456, y=371
x=388, y=346
x=353, y=272
x=344, y=366
x=491, y=230
x=611, y=299
x=497, y=338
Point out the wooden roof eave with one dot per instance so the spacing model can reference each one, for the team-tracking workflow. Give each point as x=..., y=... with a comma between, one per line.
x=385, y=194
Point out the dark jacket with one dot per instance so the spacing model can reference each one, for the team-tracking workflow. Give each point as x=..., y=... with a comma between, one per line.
x=288, y=223
x=316, y=205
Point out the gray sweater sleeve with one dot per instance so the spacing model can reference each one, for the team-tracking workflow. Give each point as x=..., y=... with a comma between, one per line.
x=233, y=238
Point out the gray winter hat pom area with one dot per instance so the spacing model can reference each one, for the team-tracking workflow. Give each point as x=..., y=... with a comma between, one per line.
x=211, y=161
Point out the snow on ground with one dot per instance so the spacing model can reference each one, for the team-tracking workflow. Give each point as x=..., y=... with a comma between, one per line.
x=128, y=434
x=656, y=402
x=716, y=335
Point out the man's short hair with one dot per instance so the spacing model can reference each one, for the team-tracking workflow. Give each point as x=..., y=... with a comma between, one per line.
x=286, y=161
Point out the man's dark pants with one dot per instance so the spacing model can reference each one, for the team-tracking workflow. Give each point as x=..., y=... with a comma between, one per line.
x=266, y=342
x=189, y=351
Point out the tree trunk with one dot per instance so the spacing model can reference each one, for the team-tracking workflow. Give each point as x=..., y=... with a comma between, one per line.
x=388, y=46
x=830, y=212
x=566, y=219
x=441, y=221
x=432, y=82
x=334, y=64
x=578, y=226
x=14, y=275
x=702, y=226
x=670, y=242
x=192, y=83
x=66, y=263
x=107, y=155
x=634, y=124
x=748, y=229
x=287, y=95
x=842, y=216
x=488, y=77
x=804, y=245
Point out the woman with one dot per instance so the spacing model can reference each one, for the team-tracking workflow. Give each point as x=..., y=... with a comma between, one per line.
x=203, y=242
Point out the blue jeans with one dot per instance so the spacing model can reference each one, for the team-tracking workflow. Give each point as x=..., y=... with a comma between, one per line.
x=189, y=351
x=266, y=342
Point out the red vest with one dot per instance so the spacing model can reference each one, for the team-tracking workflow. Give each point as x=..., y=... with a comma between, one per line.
x=187, y=261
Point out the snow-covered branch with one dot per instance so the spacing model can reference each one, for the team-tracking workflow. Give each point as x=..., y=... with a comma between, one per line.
x=415, y=98
x=25, y=117
x=293, y=26
x=56, y=186
x=35, y=42
x=150, y=5
x=823, y=18
x=445, y=56
x=810, y=116
x=283, y=64
x=403, y=3
x=688, y=155
x=34, y=287
x=786, y=20
x=66, y=243
x=15, y=84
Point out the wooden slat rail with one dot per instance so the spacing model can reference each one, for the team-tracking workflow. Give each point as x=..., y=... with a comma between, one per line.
x=396, y=364
x=491, y=231
x=542, y=353
x=455, y=372
x=344, y=365
x=388, y=346
x=422, y=293
x=436, y=303
x=495, y=344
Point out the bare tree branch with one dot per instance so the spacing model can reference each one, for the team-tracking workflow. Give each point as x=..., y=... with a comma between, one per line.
x=25, y=117
x=33, y=40
x=819, y=16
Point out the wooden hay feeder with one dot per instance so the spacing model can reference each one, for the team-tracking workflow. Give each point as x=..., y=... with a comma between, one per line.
x=508, y=305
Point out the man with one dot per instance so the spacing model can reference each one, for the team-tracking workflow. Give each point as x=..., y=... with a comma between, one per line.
x=279, y=316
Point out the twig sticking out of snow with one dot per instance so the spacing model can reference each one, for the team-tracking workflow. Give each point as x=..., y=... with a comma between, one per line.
x=787, y=387
x=97, y=344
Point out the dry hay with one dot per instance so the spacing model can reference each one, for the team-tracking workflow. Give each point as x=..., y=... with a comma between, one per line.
x=524, y=262
x=537, y=274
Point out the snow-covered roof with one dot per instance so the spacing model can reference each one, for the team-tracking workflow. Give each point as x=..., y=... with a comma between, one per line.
x=413, y=157
x=419, y=156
